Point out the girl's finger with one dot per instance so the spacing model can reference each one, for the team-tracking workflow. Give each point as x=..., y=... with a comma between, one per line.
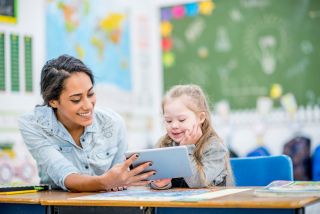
x=140, y=183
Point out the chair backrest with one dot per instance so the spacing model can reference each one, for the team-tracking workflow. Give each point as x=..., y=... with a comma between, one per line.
x=316, y=164
x=260, y=151
x=260, y=171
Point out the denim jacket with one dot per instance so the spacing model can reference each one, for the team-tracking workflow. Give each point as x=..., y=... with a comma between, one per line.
x=56, y=153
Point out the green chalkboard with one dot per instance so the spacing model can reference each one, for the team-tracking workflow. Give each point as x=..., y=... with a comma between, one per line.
x=244, y=47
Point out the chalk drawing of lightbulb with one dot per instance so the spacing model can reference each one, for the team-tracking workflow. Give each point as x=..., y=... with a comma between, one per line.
x=267, y=46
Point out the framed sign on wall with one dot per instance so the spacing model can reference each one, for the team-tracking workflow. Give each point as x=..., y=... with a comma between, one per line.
x=8, y=11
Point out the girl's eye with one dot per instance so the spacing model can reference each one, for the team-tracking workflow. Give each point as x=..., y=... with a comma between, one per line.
x=168, y=121
x=182, y=120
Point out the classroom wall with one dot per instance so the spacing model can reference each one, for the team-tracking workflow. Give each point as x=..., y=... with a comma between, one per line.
x=138, y=106
x=17, y=164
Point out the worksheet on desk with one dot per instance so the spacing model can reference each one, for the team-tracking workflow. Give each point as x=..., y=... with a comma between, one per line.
x=160, y=195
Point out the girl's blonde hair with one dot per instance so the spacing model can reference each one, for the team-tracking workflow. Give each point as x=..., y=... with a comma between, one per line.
x=197, y=103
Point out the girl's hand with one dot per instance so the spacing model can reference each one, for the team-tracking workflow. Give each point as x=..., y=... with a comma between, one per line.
x=119, y=176
x=162, y=182
x=192, y=137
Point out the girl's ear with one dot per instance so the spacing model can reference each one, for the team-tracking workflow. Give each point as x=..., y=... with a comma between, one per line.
x=53, y=103
x=202, y=117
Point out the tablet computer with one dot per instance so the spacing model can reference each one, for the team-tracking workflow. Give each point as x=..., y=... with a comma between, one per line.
x=168, y=162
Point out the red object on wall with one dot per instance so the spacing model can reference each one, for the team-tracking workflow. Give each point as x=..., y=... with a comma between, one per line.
x=167, y=44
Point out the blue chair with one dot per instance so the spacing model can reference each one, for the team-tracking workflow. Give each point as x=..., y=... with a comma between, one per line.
x=260, y=171
x=316, y=164
x=260, y=151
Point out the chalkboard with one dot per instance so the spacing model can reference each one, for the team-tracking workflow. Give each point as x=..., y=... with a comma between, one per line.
x=240, y=49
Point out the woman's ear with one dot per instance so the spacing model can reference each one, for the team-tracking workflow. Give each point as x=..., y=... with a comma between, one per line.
x=53, y=103
x=202, y=117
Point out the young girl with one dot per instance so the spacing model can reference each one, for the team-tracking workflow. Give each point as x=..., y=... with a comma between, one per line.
x=188, y=123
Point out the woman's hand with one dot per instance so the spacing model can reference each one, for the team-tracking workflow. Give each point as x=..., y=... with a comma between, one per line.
x=120, y=176
x=193, y=136
x=161, y=182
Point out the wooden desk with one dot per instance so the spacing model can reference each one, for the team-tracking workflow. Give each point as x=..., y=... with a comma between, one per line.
x=22, y=203
x=243, y=202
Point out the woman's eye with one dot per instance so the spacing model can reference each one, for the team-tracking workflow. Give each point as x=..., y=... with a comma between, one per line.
x=91, y=94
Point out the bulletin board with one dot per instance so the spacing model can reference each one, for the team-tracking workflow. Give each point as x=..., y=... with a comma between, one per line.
x=240, y=50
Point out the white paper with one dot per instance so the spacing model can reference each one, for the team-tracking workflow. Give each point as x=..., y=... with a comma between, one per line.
x=161, y=195
x=214, y=194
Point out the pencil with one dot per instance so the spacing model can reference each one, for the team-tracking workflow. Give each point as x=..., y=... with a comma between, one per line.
x=19, y=192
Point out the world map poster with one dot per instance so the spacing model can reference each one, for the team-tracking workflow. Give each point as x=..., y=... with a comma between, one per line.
x=95, y=32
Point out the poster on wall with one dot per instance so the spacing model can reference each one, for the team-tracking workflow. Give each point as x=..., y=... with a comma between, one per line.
x=8, y=11
x=98, y=34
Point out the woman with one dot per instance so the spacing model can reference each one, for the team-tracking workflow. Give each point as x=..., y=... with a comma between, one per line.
x=76, y=147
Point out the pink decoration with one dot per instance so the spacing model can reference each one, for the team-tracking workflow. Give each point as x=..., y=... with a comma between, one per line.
x=178, y=12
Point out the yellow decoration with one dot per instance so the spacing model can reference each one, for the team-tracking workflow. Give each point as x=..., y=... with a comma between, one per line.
x=166, y=29
x=7, y=153
x=276, y=91
x=288, y=101
x=206, y=7
x=168, y=59
x=8, y=19
x=203, y=52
